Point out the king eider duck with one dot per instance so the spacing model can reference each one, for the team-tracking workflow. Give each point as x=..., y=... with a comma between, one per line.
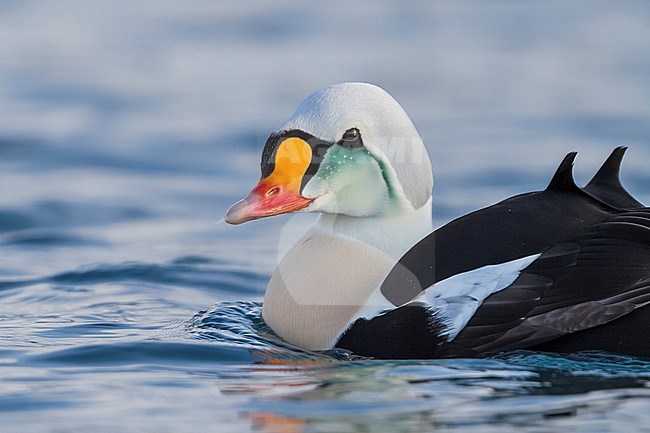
x=564, y=269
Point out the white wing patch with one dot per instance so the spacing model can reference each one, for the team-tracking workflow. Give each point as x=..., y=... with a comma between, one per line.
x=456, y=299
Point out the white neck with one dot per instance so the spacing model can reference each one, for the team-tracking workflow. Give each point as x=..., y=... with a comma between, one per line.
x=393, y=234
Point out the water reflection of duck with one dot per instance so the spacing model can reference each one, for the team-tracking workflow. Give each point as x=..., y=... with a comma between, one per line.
x=562, y=269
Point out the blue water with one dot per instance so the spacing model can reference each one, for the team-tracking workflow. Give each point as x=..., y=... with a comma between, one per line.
x=128, y=128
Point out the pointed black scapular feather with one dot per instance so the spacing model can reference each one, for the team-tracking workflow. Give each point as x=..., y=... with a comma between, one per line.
x=606, y=184
x=563, y=178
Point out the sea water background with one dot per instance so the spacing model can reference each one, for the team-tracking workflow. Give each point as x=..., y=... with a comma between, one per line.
x=128, y=127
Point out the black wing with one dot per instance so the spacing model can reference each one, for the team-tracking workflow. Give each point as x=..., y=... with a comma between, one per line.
x=594, y=266
x=570, y=288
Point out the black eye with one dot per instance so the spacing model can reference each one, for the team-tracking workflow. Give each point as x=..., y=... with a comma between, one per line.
x=351, y=139
x=351, y=134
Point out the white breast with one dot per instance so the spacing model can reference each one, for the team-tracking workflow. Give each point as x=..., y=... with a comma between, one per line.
x=319, y=286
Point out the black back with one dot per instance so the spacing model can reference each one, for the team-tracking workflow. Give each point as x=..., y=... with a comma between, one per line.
x=587, y=290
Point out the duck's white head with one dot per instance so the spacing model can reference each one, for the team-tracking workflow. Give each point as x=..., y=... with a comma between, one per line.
x=348, y=149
